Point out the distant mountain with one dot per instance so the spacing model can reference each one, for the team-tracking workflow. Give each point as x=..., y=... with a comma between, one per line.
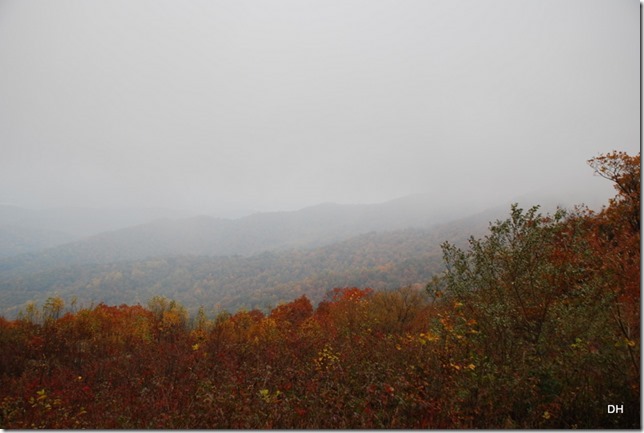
x=15, y=240
x=381, y=260
x=310, y=227
x=80, y=222
x=253, y=261
x=307, y=228
x=29, y=230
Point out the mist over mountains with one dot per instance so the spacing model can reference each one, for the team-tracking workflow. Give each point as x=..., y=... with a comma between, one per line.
x=82, y=235
x=123, y=239
x=253, y=261
x=380, y=260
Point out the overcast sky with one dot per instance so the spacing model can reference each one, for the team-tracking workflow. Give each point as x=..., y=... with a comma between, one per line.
x=270, y=105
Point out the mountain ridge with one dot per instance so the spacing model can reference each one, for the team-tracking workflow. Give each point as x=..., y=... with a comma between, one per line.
x=206, y=235
x=308, y=227
x=384, y=260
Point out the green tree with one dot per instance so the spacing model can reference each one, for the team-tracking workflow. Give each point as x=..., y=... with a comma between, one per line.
x=535, y=288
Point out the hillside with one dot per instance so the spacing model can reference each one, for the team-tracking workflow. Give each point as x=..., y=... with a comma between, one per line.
x=17, y=240
x=310, y=227
x=254, y=261
x=25, y=230
x=382, y=260
x=204, y=235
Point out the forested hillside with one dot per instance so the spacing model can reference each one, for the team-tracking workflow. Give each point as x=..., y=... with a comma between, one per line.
x=378, y=260
x=534, y=325
x=193, y=261
x=310, y=227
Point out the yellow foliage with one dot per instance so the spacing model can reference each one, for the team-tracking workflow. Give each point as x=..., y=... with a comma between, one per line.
x=326, y=359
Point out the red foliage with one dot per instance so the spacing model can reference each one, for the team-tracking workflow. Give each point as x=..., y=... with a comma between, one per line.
x=293, y=313
x=361, y=359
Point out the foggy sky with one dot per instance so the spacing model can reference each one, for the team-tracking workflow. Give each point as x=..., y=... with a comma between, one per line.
x=271, y=105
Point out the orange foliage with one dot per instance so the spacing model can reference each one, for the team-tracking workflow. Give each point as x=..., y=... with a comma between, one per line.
x=293, y=313
x=362, y=359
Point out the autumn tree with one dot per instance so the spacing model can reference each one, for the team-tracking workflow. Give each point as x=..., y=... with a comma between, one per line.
x=624, y=171
x=617, y=240
x=618, y=224
x=551, y=296
x=399, y=311
x=292, y=313
x=170, y=316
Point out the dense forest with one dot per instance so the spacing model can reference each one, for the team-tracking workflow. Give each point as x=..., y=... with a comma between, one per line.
x=536, y=324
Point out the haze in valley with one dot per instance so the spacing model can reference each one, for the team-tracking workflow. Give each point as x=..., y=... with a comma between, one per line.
x=232, y=107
